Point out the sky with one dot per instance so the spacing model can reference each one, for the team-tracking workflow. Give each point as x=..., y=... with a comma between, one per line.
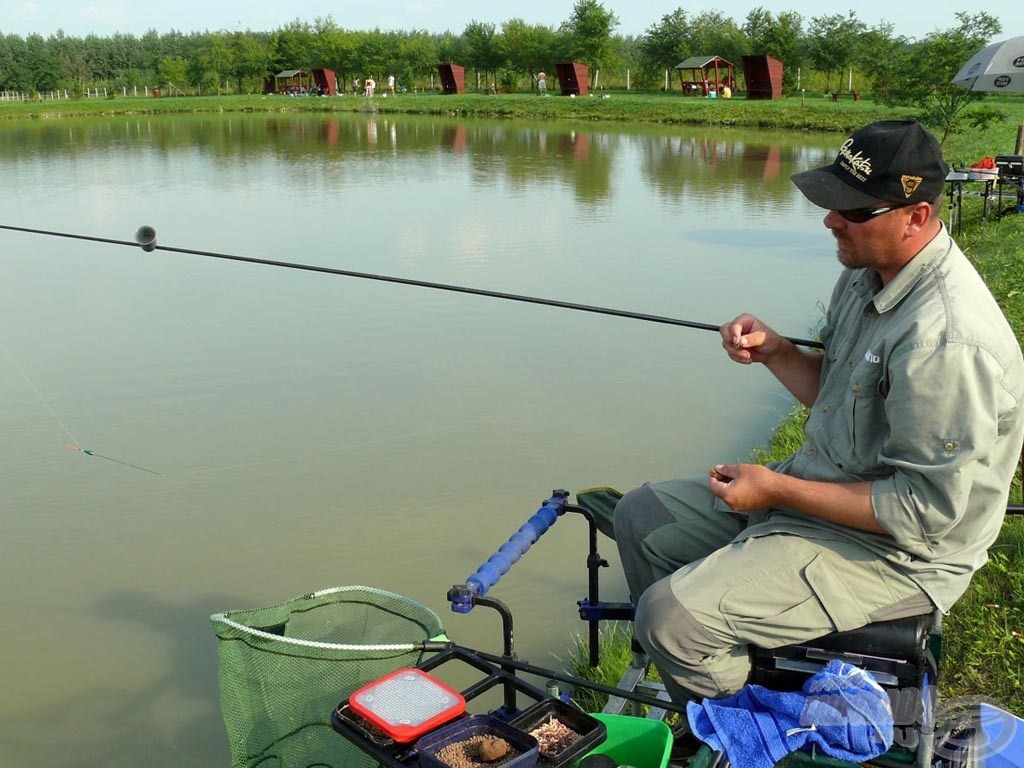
x=79, y=18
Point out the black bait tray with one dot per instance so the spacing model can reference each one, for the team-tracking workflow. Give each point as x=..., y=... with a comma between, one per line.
x=407, y=703
x=589, y=731
x=460, y=737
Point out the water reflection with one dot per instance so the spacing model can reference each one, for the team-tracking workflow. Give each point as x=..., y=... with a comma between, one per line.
x=678, y=163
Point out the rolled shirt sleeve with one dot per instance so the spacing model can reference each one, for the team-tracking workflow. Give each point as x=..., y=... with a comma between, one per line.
x=921, y=395
x=942, y=410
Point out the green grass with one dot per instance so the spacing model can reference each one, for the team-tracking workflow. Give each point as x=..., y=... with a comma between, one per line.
x=812, y=112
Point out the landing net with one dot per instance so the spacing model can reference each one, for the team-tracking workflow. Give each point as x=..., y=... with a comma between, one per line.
x=282, y=670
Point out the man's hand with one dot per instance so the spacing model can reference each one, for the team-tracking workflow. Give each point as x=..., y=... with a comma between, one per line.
x=744, y=486
x=747, y=340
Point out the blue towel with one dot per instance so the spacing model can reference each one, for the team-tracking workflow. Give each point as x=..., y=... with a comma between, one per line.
x=841, y=710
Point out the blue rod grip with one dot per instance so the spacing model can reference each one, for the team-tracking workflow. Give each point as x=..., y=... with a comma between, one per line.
x=497, y=565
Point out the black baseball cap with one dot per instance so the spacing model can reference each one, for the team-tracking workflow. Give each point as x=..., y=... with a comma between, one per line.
x=888, y=161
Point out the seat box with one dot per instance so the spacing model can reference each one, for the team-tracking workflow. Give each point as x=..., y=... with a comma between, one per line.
x=1010, y=165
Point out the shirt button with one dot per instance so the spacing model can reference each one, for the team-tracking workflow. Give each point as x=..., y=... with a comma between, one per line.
x=812, y=452
x=825, y=409
x=856, y=388
x=950, y=447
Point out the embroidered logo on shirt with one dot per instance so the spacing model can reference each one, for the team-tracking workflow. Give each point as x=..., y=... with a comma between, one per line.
x=871, y=357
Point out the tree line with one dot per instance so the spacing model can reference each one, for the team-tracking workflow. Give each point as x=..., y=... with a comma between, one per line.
x=818, y=53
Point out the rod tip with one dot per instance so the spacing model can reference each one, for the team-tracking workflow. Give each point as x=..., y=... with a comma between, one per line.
x=146, y=238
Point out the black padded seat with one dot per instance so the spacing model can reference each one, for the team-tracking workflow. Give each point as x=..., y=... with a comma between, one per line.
x=899, y=638
x=896, y=652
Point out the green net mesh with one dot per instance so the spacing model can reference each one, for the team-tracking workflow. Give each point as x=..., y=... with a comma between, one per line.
x=284, y=669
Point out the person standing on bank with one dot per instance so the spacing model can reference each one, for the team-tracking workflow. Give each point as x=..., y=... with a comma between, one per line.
x=915, y=428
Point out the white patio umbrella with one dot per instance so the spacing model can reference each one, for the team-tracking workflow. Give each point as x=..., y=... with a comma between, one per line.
x=998, y=68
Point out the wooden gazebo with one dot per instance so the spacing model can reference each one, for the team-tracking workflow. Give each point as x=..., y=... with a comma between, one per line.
x=292, y=81
x=700, y=75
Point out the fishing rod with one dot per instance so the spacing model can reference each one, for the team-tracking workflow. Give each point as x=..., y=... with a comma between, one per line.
x=145, y=238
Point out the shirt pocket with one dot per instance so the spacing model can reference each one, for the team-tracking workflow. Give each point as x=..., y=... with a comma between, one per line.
x=867, y=426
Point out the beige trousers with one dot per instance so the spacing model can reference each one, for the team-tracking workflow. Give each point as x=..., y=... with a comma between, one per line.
x=697, y=621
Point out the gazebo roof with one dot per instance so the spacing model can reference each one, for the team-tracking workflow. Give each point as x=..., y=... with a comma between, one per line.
x=290, y=73
x=700, y=62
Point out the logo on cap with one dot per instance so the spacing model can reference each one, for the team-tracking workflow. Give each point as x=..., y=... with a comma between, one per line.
x=1002, y=81
x=857, y=164
x=910, y=184
x=1019, y=62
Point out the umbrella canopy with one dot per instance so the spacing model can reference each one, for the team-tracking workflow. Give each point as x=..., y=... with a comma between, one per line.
x=998, y=68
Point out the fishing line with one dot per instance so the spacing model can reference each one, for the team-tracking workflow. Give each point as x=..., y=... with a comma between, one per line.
x=145, y=238
x=76, y=444
x=40, y=397
x=89, y=452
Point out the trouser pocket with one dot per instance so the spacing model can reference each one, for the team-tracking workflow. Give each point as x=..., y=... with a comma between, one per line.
x=796, y=601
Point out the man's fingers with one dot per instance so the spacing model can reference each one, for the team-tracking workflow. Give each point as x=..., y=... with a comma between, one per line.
x=754, y=339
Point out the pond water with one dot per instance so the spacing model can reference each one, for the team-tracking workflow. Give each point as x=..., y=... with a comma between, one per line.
x=256, y=432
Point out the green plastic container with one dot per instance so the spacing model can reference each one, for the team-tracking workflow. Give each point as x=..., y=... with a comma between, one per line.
x=634, y=741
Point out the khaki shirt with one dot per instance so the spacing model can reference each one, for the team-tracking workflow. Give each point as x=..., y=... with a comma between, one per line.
x=921, y=393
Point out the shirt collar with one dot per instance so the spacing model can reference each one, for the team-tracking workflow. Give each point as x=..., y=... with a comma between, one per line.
x=898, y=288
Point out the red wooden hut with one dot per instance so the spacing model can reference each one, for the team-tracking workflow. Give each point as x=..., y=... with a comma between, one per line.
x=700, y=75
x=453, y=77
x=572, y=78
x=763, y=74
x=326, y=82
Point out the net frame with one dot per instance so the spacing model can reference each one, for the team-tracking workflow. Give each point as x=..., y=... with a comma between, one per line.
x=282, y=670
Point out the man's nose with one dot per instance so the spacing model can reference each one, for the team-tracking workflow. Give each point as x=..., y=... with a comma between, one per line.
x=833, y=220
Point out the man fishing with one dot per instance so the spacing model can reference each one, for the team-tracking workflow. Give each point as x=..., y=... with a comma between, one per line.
x=914, y=431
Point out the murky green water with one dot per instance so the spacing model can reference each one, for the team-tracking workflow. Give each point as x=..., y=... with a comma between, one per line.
x=261, y=432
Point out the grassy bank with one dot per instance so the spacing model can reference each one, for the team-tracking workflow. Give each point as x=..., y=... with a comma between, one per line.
x=810, y=112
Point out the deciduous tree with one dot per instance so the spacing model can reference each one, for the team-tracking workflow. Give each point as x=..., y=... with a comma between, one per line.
x=920, y=76
x=587, y=34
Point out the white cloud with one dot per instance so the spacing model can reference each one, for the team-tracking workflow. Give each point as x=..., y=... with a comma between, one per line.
x=27, y=9
x=102, y=13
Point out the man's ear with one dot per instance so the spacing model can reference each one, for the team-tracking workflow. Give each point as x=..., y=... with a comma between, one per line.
x=921, y=214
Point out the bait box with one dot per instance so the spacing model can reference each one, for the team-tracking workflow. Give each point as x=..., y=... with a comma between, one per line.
x=591, y=731
x=477, y=725
x=407, y=703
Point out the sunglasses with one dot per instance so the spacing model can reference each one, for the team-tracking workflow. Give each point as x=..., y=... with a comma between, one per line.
x=860, y=215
